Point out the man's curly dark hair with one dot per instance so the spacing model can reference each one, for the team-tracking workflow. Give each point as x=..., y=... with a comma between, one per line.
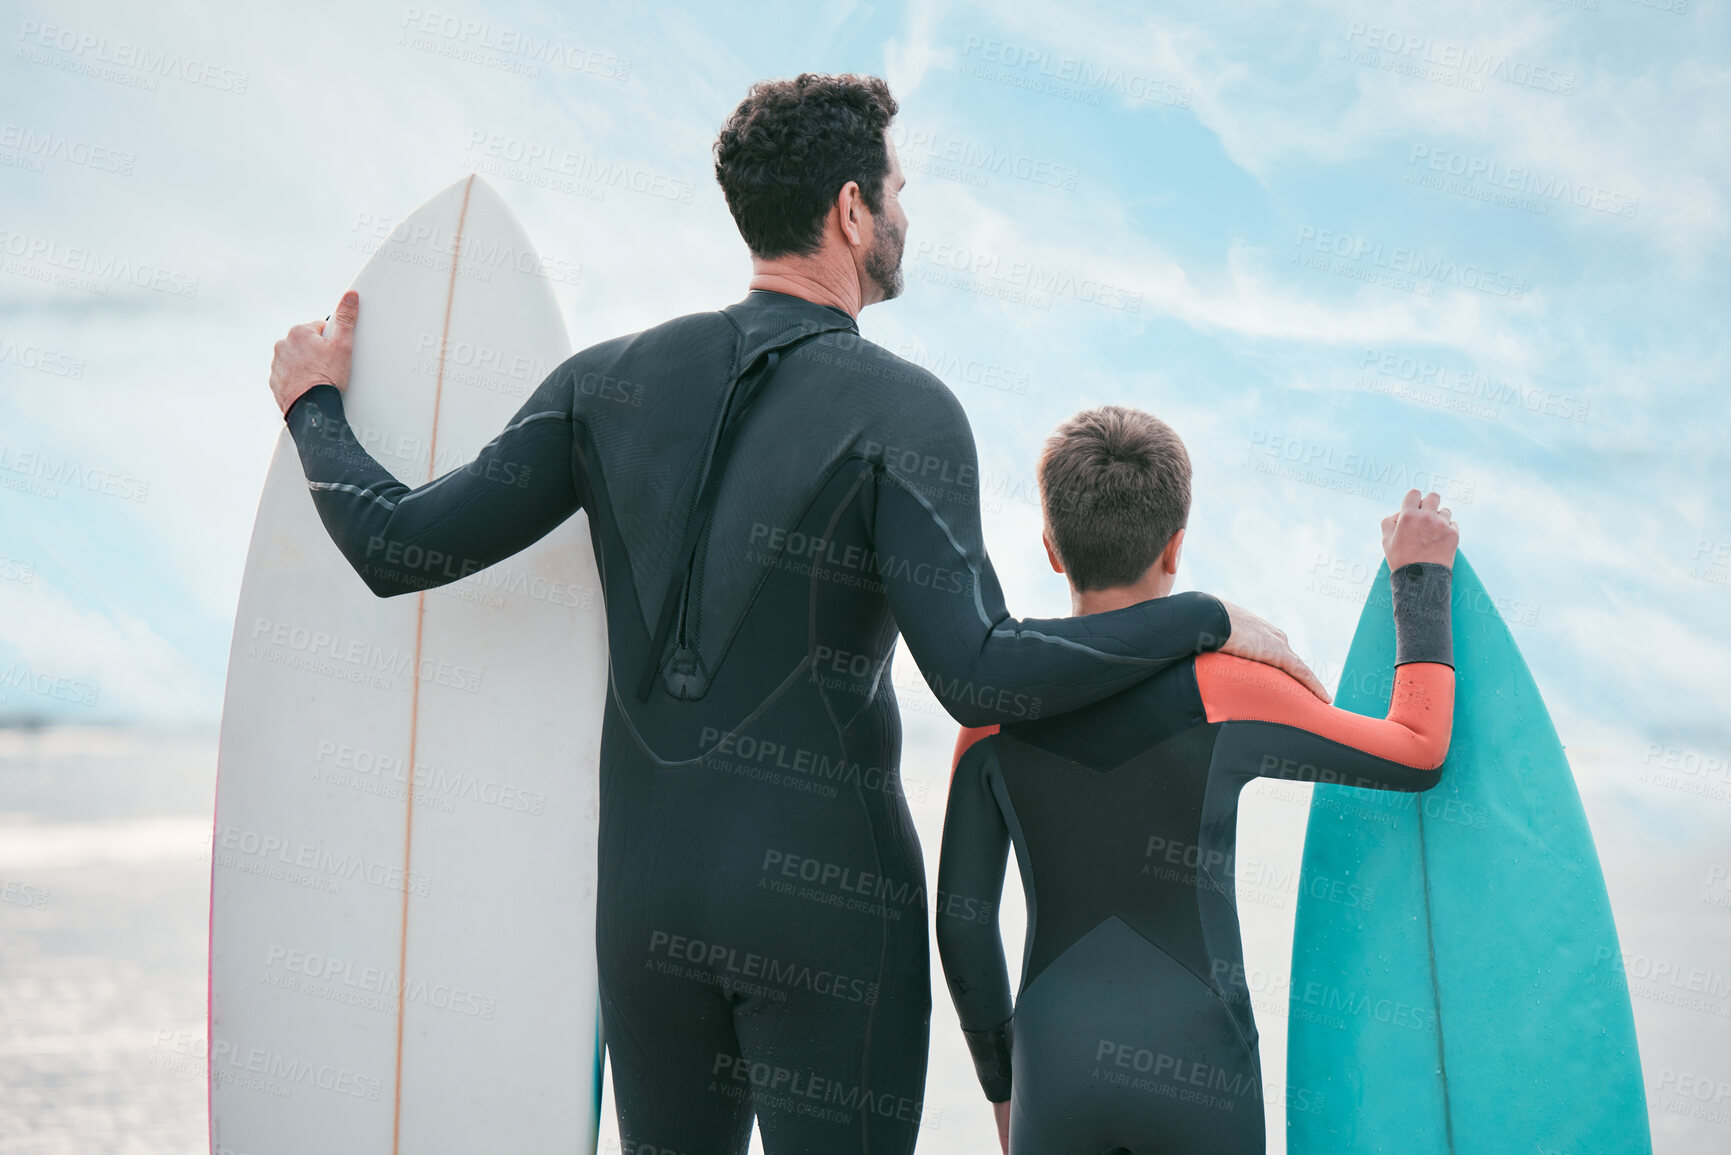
x=789, y=148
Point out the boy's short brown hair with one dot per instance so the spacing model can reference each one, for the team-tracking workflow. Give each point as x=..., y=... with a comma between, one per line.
x=1115, y=487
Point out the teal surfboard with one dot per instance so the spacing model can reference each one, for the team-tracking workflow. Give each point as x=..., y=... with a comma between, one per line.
x=1457, y=987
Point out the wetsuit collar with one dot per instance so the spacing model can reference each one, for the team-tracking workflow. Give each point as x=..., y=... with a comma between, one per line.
x=767, y=319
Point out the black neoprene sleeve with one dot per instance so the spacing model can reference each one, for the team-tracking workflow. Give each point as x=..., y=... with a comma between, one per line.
x=971, y=870
x=401, y=539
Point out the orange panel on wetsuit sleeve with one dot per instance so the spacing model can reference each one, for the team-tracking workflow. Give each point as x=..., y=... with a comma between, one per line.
x=968, y=736
x=1415, y=733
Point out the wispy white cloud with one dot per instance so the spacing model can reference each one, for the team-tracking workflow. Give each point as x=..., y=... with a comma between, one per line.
x=909, y=58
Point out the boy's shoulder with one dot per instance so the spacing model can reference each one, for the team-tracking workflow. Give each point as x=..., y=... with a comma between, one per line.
x=1115, y=729
x=1233, y=688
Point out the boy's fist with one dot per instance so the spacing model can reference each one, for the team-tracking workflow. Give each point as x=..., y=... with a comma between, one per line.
x=1419, y=531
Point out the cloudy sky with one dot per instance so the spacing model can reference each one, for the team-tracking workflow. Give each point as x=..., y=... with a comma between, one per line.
x=1344, y=247
x=1341, y=248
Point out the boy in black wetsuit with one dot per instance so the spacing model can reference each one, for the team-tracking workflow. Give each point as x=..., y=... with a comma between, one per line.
x=1133, y=1029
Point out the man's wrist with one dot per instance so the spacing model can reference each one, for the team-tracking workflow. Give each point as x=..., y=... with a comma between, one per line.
x=304, y=394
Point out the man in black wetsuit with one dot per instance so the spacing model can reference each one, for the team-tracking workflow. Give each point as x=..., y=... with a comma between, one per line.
x=1133, y=1031
x=757, y=567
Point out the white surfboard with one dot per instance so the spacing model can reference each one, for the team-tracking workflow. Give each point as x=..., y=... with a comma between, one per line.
x=402, y=955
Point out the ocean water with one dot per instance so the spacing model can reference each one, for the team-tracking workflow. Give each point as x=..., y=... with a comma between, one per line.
x=104, y=896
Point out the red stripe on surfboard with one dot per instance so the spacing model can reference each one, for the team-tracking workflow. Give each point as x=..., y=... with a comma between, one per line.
x=415, y=683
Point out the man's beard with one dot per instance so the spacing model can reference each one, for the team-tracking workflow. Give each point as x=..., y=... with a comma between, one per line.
x=883, y=261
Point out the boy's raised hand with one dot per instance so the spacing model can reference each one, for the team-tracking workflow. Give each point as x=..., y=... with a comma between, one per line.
x=1420, y=531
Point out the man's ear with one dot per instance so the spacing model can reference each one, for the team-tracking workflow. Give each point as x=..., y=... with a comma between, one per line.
x=848, y=205
x=1169, y=556
x=1051, y=554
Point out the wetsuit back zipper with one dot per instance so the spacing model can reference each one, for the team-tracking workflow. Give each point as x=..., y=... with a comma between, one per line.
x=687, y=677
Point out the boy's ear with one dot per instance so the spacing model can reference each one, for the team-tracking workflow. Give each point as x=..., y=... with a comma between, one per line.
x=1169, y=556
x=1051, y=554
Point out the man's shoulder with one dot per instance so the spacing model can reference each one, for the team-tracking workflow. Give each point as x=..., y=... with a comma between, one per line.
x=634, y=361
x=913, y=401
x=708, y=327
x=868, y=359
